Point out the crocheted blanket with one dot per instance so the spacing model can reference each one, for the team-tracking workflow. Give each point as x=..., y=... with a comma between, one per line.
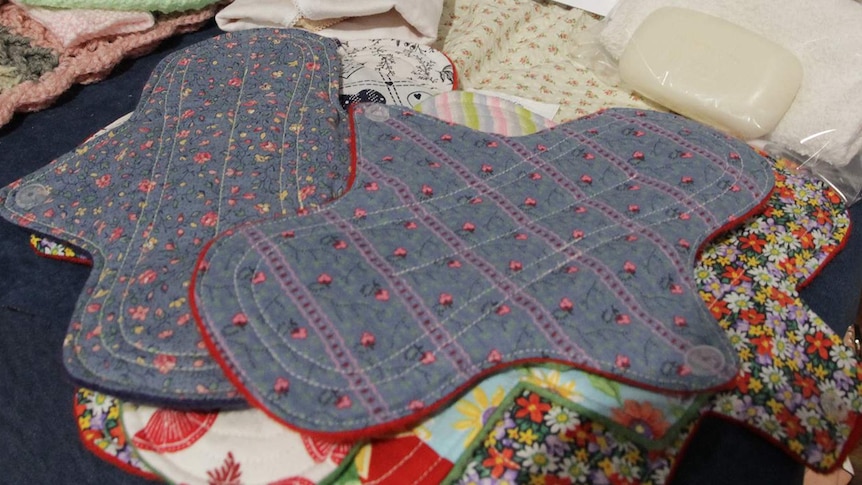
x=35, y=67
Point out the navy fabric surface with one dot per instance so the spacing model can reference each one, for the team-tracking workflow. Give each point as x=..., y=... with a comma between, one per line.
x=38, y=435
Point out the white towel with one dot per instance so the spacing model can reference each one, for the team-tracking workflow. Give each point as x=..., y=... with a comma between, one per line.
x=825, y=119
x=410, y=20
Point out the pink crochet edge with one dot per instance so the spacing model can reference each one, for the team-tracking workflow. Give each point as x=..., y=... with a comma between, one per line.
x=90, y=62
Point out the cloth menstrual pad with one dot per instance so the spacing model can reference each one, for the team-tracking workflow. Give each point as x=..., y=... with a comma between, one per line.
x=102, y=432
x=459, y=253
x=238, y=446
x=242, y=126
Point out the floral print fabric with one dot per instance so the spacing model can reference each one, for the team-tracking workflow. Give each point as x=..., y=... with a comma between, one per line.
x=625, y=418
x=206, y=148
x=102, y=432
x=799, y=384
x=533, y=437
x=804, y=399
x=527, y=49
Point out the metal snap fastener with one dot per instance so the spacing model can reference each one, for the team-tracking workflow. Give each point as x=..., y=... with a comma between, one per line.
x=31, y=195
x=377, y=112
x=705, y=360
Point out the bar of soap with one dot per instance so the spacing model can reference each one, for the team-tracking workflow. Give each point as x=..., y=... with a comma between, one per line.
x=711, y=70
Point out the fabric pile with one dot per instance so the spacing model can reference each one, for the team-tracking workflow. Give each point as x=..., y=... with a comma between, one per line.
x=47, y=47
x=318, y=259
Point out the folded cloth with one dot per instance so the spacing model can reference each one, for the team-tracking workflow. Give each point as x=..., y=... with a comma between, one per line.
x=164, y=6
x=393, y=71
x=412, y=20
x=826, y=38
x=74, y=26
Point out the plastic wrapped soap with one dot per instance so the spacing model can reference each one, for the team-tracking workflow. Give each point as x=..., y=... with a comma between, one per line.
x=711, y=70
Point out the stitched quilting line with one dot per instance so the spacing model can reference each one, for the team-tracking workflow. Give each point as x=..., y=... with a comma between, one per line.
x=151, y=220
x=738, y=175
x=611, y=213
x=225, y=162
x=431, y=328
x=306, y=53
x=449, y=342
x=550, y=237
x=495, y=279
x=230, y=147
x=643, y=215
x=681, y=197
x=162, y=74
x=336, y=347
x=78, y=238
x=158, y=158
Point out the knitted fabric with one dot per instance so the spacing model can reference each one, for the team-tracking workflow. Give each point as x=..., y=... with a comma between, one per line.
x=164, y=6
x=25, y=61
x=86, y=63
x=461, y=253
x=75, y=26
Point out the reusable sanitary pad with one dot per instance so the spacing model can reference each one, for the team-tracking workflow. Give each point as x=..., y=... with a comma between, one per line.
x=240, y=127
x=459, y=253
x=193, y=448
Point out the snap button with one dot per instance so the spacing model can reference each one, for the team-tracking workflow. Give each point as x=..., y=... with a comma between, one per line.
x=377, y=112
x=705, y=360
x=31, y=195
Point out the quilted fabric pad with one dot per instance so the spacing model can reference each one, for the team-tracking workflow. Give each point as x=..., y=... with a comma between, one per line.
x=460, y=253
x=242, y=126
x=101, y=431
x=241, y=446
x=799, y=384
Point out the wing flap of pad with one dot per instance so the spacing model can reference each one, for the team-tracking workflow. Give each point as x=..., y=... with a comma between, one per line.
x=242, y=126
x=459, y=253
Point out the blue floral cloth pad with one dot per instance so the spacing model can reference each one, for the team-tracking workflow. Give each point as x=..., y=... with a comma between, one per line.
x=240, y=127
x=458, y=253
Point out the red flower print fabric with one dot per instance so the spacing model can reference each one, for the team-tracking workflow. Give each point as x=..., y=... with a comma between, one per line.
x=799, y=385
